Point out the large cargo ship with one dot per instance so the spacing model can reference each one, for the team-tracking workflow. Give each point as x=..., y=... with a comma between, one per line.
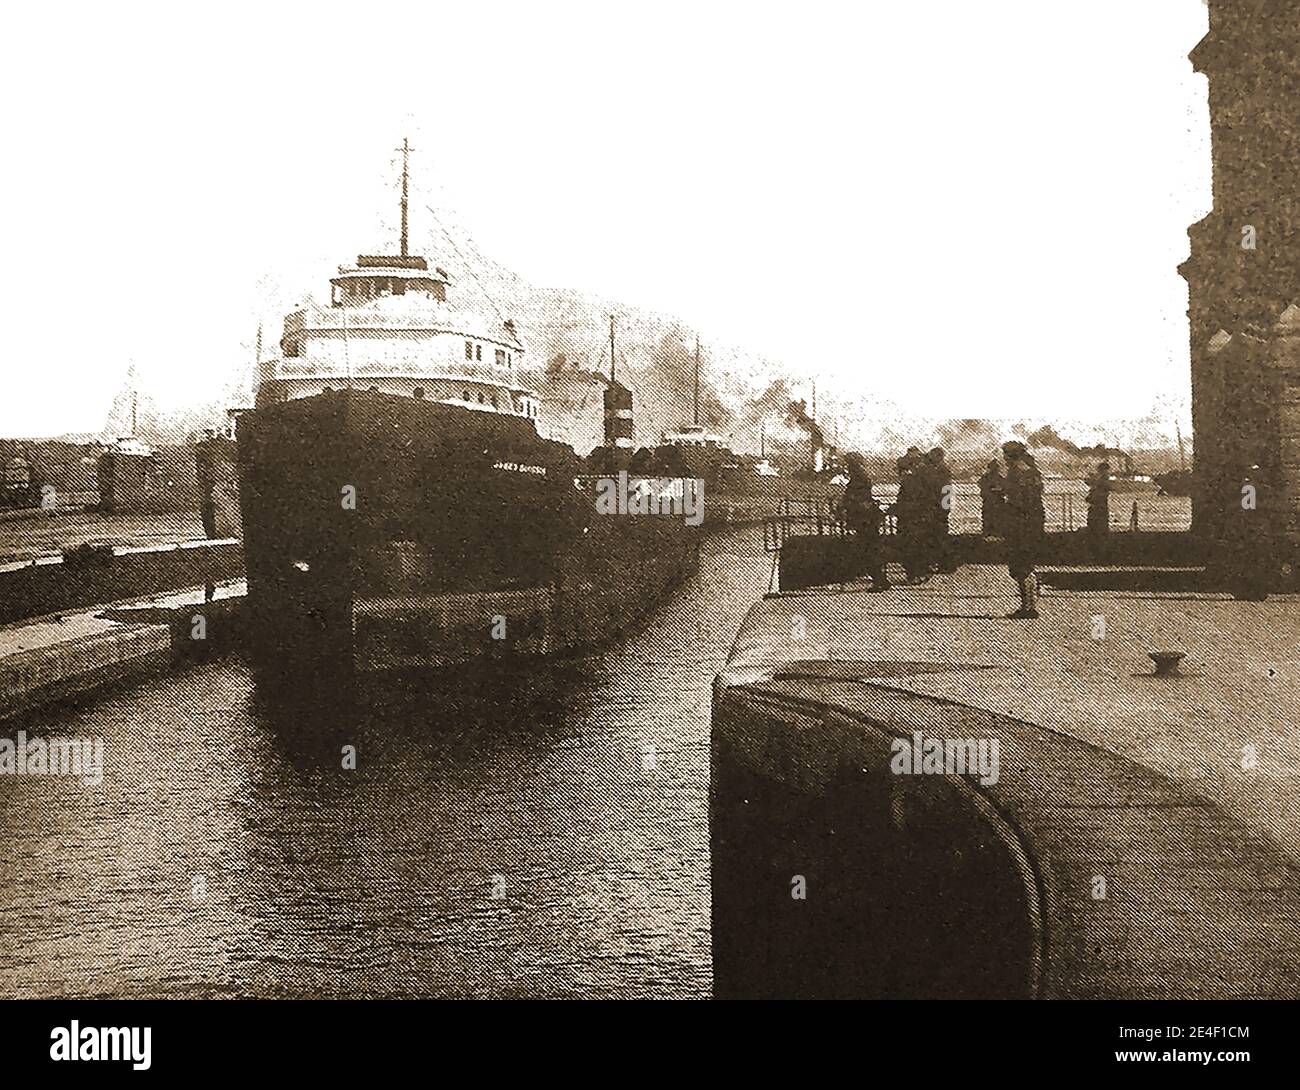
x=400, y=508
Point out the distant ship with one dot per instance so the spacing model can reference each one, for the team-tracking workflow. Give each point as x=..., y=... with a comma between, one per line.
x=692, y=447
x=1133, y=482
x=400, y=508
x=1176, y=482
x=695, y=436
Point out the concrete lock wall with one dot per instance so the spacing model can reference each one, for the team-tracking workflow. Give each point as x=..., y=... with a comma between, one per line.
x=1074, y=872
x=914, y=886
x=820, y=559
x=37, y=589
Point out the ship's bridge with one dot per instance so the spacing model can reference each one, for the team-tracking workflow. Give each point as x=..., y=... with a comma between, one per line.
x=377, y=277
x=389, y=326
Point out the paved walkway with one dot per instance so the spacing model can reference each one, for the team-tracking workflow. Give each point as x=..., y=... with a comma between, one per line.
x=1083, y=669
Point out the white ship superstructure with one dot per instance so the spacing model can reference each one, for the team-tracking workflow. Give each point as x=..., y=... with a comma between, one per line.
x=390, y=327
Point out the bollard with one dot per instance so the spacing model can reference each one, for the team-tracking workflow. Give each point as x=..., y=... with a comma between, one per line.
x=1166, y=662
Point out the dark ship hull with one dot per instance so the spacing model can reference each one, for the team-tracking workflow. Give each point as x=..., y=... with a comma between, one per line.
x=1177, y=482
x=383, y=532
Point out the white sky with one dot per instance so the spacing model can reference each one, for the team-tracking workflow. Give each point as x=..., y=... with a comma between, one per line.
x=972, y=209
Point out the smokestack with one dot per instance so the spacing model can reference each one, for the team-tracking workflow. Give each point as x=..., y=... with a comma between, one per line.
x=1048, y=436
x=618, y=425
x=796, y=414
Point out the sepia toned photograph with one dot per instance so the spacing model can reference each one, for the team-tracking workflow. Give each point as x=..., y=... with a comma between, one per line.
x=615, y=502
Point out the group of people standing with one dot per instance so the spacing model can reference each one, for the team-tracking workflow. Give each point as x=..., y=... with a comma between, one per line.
x=925, y=491
x=1011, y=508
x=925, y=497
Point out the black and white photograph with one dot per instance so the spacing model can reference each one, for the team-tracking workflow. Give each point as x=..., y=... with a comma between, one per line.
x=605, y=502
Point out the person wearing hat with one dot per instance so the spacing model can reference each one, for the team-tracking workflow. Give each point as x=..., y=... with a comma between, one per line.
x=863, y=518
x=1099, y=489
x=993, y=500
x=939, y=496
x=1025, y=523
x=910, y=512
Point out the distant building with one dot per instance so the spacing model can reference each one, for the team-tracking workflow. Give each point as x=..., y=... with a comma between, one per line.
x=130, y=478
x=134, y=478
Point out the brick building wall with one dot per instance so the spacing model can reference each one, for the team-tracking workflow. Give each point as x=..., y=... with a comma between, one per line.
x=1244, y=270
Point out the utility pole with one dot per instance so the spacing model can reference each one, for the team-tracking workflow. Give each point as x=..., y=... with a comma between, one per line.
x=611, y=350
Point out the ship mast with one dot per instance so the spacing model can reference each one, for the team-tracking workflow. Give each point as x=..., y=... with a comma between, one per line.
x=406, y=164
x=135, y=396
x=696, y=418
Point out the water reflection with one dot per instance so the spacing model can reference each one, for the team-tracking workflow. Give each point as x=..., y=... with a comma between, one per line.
x=546, y=838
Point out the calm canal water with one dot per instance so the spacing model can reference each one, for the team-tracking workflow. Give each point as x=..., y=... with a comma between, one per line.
x=218, y=857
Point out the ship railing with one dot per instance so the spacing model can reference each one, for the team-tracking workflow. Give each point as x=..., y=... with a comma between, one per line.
x=298, y=367
x=1065, y=513
x=1067, y=509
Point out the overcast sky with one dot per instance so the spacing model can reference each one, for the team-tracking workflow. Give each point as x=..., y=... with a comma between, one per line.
x=972, y=209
